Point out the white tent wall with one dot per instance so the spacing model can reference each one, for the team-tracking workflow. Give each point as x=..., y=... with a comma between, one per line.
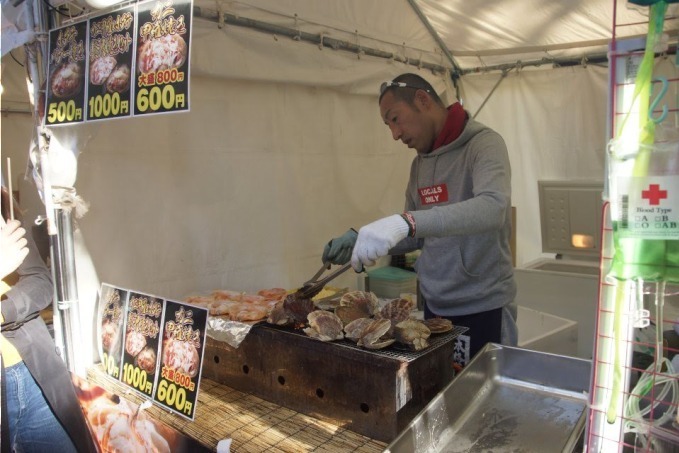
x=240, y=193
x=554, y=124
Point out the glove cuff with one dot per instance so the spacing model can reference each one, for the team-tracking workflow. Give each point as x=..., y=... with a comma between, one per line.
x=410, y=220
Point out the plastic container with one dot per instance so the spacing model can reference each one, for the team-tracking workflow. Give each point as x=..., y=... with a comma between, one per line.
x=389, y=282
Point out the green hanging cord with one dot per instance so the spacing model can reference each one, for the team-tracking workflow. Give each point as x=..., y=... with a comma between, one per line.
x=612, y=411
x=642, y=94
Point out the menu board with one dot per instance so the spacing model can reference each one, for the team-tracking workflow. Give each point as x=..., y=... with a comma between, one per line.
x=111, y=308
x=153, y=345
x=162, y=56
x=66, y=75
x=182, y=357
x=142, y=329
x=110, y=65
x=132, y=61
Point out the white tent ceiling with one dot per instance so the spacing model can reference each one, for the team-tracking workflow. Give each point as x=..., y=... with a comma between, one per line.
x=460, y=35
x=476, y=34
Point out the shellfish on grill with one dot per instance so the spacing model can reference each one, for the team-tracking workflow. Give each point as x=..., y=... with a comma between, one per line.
x=324, y=326
x=354, y=330
x=396, y=310
x=357, y=304
x=439, y=325
x=412, y=333
x=293, y=310
x=374, y=335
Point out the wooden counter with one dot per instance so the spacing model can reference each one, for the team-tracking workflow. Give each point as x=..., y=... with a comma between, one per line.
x=254, y=425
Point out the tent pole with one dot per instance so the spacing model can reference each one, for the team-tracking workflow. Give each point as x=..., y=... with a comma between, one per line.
x=455, y=74
x=318, y=39
x=65, y=282
x=59, y=220
x=502, y=77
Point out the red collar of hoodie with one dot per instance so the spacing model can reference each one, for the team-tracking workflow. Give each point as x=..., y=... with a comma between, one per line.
x=453, y=127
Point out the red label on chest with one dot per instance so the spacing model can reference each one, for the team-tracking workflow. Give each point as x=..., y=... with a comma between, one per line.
x=434, y=194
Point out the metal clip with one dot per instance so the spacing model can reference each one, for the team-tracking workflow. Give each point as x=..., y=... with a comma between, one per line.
x=640, y=318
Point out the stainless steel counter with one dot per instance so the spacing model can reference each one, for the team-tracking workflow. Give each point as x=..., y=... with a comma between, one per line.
x=506, y=400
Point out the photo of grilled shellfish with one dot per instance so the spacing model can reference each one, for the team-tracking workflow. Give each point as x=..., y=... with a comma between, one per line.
x=119, y=79
x=167, y=52
x=67, y=80
x=134, y=342
x=146, y=360
x=101, y=68
x=109, y=335
x=181, y=355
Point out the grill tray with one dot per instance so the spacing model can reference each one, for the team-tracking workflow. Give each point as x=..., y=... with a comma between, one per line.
x=394, y=351
x=372, y=392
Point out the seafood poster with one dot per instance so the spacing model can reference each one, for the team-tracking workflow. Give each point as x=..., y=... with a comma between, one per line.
x=141, y=340
x=181, y=357
x=110, y=56
x=112, y=302
x=65, y=99
x=118, y=425
x=162, y=56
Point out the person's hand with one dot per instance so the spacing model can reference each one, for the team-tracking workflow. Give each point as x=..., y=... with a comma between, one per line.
x=375, y=239
x=12, y=247
x=338, y=250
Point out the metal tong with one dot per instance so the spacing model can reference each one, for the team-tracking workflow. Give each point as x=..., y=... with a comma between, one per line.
x=314, y=286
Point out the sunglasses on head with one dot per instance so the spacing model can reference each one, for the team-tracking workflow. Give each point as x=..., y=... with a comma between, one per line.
x=391, y=83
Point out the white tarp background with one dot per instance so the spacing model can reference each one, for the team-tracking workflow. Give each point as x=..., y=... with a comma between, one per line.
x=284, y=148
x=554, y=123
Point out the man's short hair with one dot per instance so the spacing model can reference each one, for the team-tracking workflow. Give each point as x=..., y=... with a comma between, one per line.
x=406, y=85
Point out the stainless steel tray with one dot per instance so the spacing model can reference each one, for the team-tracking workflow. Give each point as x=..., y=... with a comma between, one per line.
x=506, y=400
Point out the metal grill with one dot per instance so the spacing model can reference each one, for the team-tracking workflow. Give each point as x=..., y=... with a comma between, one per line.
x=394, y=351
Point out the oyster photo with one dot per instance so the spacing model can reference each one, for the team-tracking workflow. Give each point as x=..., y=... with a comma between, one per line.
x=324, y=326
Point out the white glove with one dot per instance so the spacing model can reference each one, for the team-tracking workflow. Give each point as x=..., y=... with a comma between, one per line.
x=13, y=247
x=375, y=239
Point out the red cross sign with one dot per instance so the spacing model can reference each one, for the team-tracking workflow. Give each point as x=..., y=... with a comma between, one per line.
x=654, y=194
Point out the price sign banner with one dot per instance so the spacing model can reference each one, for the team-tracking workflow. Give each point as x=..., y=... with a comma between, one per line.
x=112, y=303
x=142, y=333
x=65, y=100
x=181, y=358
x=110, y=68
x=162, y=56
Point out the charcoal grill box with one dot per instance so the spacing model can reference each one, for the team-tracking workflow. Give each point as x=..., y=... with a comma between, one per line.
x=373, y=393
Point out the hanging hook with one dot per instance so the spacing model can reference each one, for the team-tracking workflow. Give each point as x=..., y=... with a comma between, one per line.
x=657, y=100
x=298, y=36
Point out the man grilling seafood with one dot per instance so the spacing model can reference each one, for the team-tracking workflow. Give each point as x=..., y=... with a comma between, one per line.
x=457, y=212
